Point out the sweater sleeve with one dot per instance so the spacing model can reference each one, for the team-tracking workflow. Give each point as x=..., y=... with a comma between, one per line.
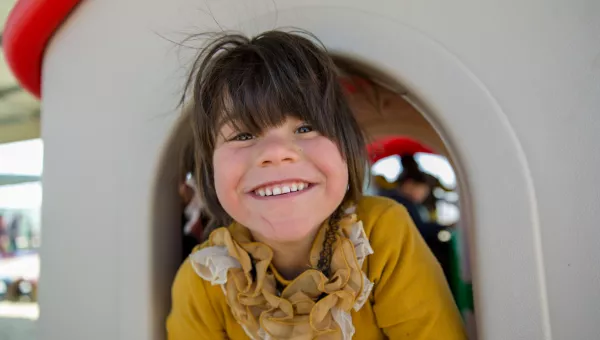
x=411, y=298
x=192, y=316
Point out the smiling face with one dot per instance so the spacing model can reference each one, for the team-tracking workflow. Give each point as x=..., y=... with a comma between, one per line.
x=269, y=116
x=281, y=184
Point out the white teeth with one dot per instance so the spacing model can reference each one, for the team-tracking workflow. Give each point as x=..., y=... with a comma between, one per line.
x=279, y=190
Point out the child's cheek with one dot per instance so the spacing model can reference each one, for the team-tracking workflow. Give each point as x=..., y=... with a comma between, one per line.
x=326, y=156
x=228, y=172
x=322, y=150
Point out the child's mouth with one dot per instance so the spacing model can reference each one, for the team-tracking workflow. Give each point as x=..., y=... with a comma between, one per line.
x=282, y=189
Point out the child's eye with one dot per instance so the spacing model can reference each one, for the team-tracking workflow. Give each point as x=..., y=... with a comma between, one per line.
x=242, y=137
x=304, y=129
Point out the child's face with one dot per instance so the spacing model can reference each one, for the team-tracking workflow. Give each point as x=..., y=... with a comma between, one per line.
x=416, y=191
x=253, y=174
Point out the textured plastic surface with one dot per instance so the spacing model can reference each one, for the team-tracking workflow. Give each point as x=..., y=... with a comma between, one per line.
x=512, y=88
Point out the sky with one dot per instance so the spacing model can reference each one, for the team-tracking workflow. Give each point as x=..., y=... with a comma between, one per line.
x=21, y=158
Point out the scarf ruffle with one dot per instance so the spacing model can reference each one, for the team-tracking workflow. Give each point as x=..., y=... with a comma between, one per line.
x=311, y=306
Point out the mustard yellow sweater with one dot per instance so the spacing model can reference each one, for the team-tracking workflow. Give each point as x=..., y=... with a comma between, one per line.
x=410, y=298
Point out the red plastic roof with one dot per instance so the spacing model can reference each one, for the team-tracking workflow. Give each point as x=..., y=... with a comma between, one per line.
x=395, y=146
x=29, y=28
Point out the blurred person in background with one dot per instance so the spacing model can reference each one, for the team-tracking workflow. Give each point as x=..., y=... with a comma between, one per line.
x=14, y=232
x=411, y=190
x=4, y=240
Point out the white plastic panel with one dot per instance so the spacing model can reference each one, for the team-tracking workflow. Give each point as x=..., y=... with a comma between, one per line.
x=512, y=87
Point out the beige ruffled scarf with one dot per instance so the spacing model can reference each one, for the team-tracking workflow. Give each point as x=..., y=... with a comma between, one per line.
x=312, y=306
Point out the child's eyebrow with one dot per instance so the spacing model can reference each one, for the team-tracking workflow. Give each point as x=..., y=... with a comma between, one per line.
x=223, y=118
x=220, y=122
x=220, y=136
x=226, y=121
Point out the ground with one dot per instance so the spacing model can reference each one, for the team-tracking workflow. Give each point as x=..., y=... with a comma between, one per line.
x=18, y=321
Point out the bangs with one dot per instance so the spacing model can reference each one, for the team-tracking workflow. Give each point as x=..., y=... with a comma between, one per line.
x=257, y=86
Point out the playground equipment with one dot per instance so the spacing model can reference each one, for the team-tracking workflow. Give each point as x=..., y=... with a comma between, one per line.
x=511, y=88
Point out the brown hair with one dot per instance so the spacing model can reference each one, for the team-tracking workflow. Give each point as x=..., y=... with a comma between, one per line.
x=256, y=83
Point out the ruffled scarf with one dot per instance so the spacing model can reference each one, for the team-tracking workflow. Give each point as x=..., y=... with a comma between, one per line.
x=312, y=306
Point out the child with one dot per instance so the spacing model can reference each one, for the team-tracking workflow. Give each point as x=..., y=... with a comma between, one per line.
x=281, y=161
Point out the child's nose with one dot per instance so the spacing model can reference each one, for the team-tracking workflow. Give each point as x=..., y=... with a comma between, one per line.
x=277, y=151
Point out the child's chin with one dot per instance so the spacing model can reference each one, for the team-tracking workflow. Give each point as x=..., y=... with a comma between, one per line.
x=289, y=232
x=284, y=227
